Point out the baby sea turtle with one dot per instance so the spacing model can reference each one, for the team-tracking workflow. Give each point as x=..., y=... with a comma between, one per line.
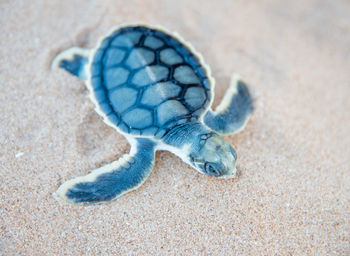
x=155, y=89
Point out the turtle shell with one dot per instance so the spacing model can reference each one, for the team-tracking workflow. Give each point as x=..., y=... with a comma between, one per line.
x=145, y=81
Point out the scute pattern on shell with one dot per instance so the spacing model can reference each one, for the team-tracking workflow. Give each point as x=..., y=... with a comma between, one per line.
x=147, y=81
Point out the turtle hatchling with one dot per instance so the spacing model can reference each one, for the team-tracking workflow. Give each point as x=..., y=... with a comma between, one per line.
x=155, y=89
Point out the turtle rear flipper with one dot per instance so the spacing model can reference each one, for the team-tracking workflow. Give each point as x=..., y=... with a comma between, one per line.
x=112, y=180
x=234, y=111
x=73, y=60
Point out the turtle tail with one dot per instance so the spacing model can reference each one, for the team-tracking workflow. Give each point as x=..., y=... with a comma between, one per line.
x=74, y=61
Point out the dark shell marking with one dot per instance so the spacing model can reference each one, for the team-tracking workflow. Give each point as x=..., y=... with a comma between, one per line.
x=146, y=81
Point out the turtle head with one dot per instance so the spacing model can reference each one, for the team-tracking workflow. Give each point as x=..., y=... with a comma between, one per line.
x=213, y=156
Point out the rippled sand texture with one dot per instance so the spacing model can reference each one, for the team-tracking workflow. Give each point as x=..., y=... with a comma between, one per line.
x=293, y=195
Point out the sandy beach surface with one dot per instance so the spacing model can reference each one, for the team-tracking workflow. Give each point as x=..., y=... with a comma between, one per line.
x=293, y=194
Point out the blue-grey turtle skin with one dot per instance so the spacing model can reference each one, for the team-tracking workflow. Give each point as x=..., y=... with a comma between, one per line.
x=233, y=118
x=155, y=90
x=76, y=65
x=109, y=184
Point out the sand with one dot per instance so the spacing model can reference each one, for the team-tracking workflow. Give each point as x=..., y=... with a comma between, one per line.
x=293, y=195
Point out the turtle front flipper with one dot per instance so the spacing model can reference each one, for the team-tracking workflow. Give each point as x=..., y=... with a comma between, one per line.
x=112, y=180
x=233, y=112
x=73, y=60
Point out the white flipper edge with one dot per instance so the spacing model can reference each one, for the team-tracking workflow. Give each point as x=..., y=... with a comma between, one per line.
x=233, y=113
x=112, y=180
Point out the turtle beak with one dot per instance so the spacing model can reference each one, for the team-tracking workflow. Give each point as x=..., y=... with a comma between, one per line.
x=230, y=175
x=229, y=162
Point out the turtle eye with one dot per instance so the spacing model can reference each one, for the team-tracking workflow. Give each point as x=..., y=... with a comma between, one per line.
x=211, y=170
